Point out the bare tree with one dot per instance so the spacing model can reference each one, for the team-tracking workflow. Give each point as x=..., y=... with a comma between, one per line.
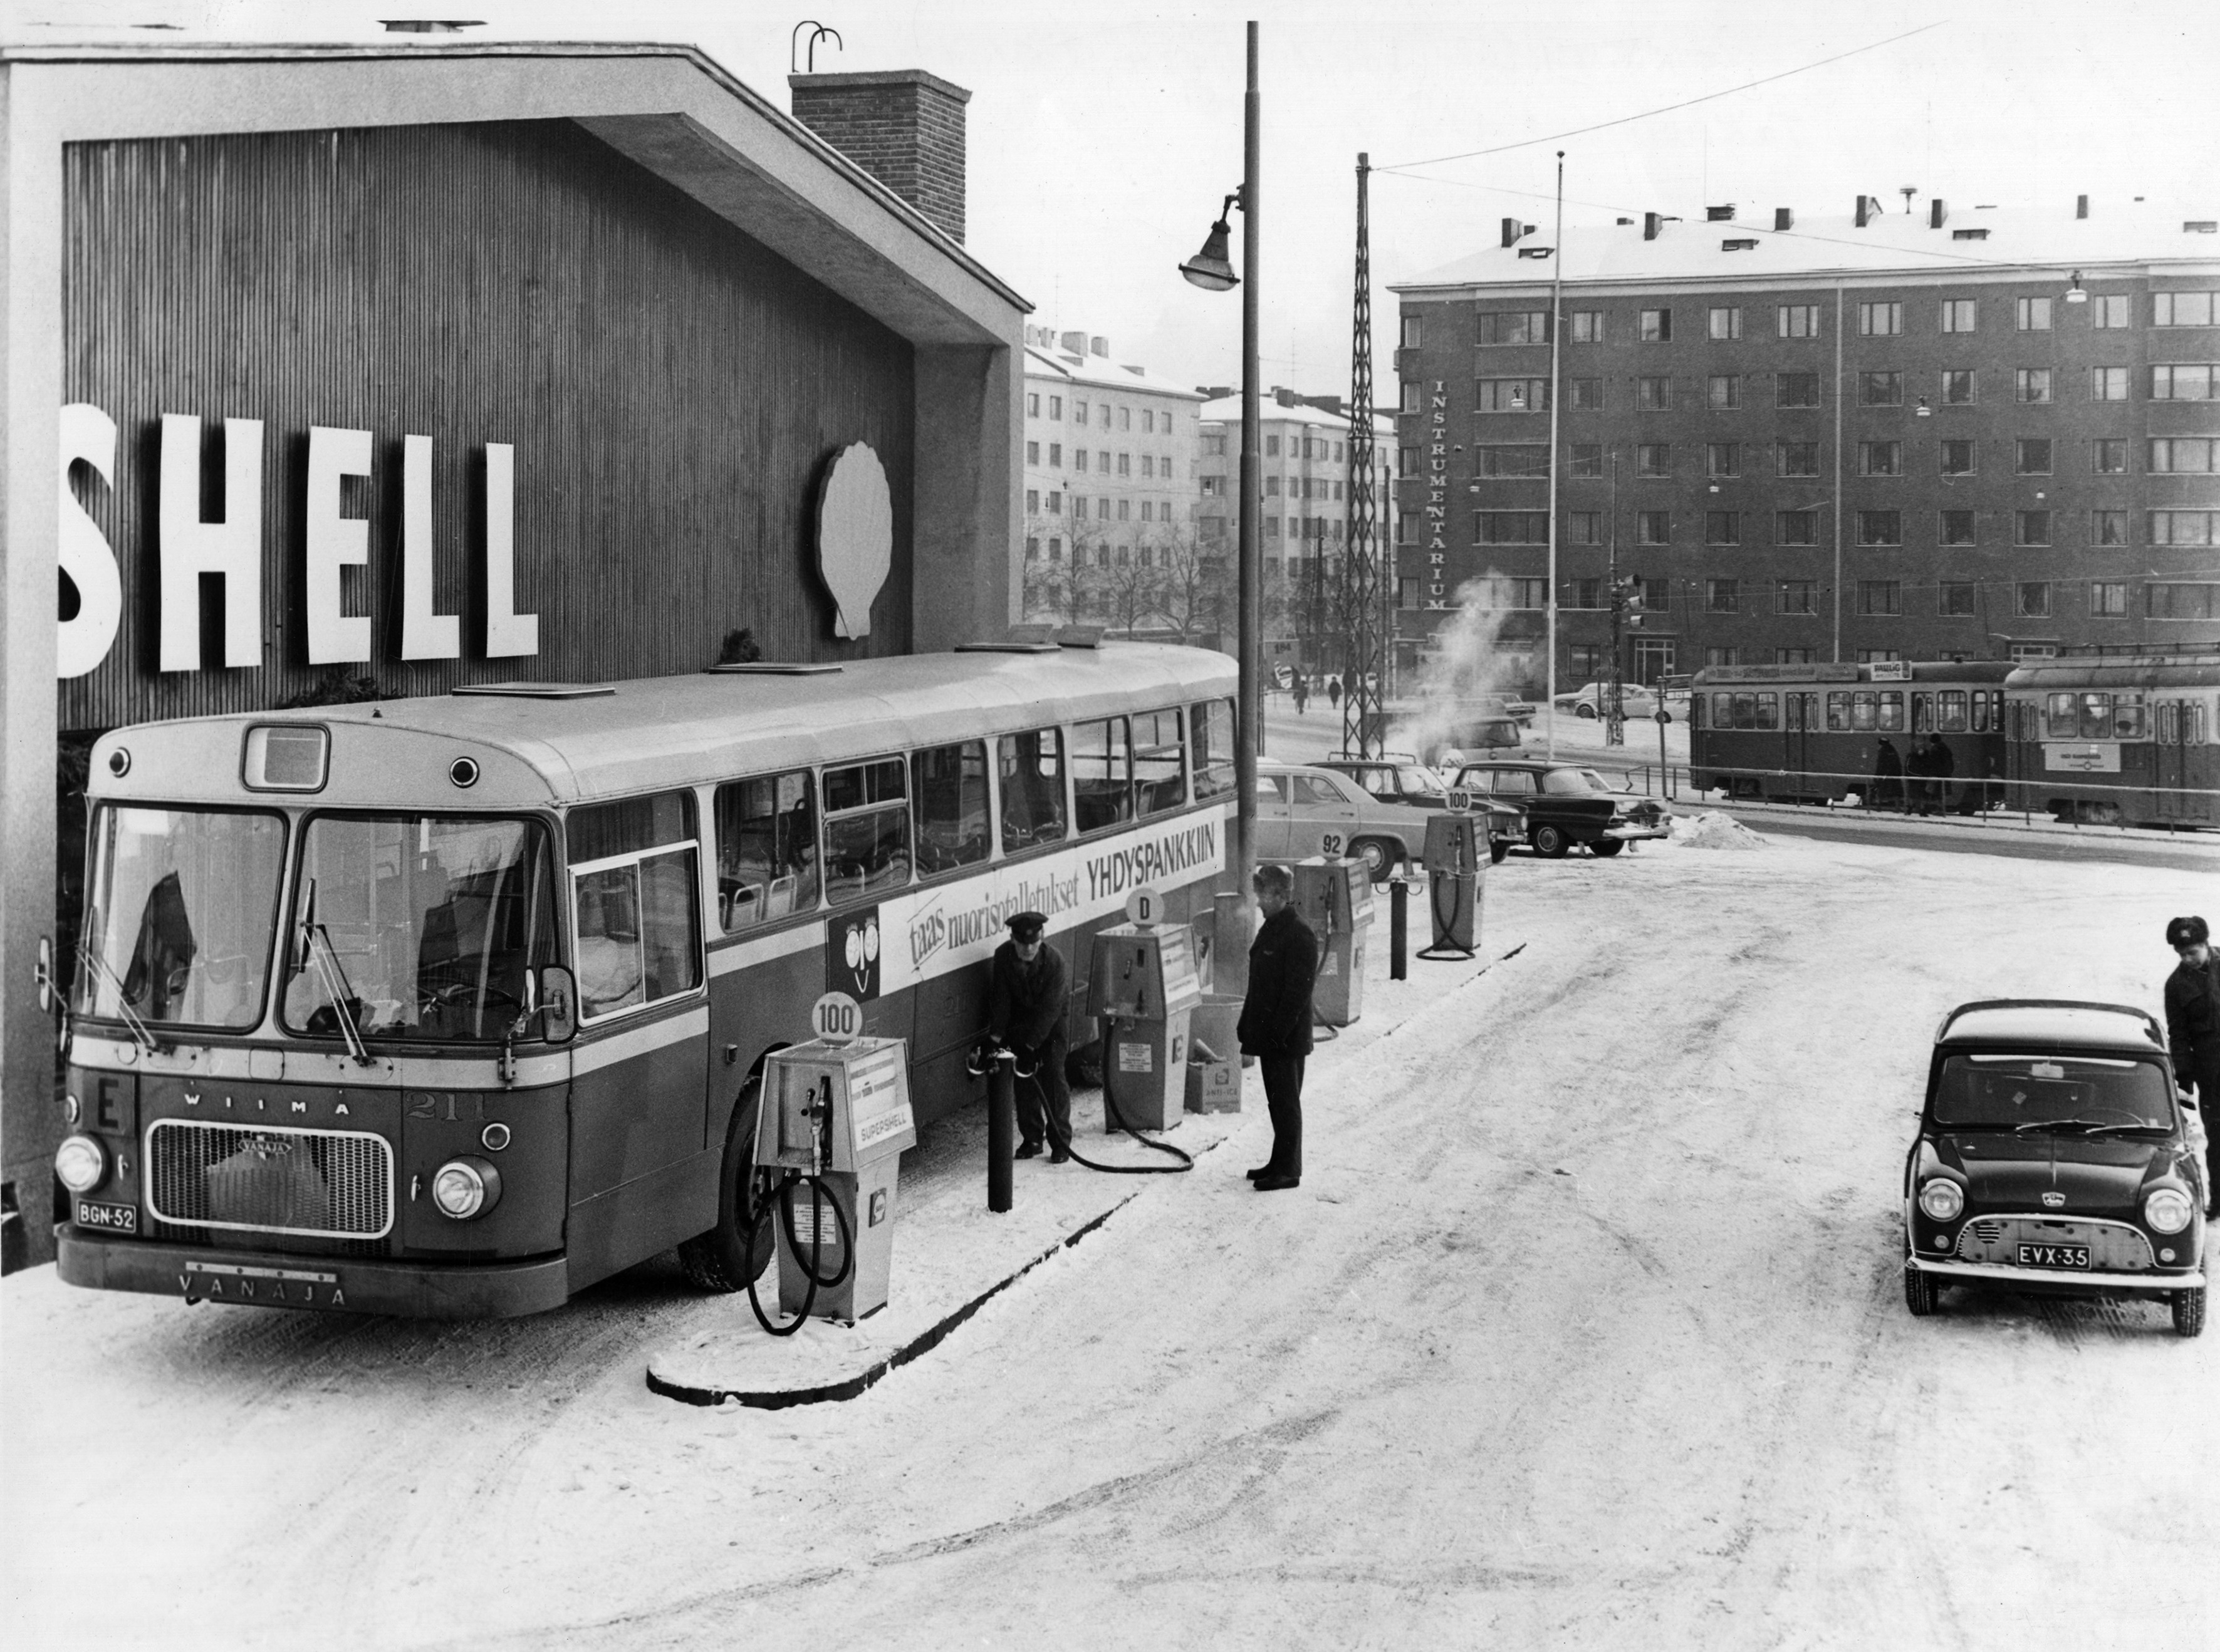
x=1063, y=585
x=1194, y=589
x=1129, y=587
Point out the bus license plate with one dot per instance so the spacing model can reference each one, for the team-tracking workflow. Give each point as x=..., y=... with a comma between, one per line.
x=2055, y=1255
x=113, y=1218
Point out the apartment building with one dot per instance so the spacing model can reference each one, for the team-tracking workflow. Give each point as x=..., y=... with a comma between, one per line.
x=1935, y=431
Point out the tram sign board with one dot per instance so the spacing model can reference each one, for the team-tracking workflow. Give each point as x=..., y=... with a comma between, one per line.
x=2082, y=757
x=1830, y=671
x=1891, y=671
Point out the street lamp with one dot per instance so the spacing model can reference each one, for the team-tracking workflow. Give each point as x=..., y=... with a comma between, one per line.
x=1212, y=270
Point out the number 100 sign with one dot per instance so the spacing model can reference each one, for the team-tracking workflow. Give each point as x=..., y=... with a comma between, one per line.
x=836, y=1018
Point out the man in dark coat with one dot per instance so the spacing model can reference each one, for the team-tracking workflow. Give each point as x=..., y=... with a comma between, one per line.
x=1941, y=765
x=1276, y=1021
x=2192, y=1030
x=1888, y=776
x=1026, y=992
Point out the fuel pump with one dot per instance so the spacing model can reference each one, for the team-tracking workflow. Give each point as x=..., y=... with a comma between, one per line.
x=1334, y=897
x=835, y=1119
x=1456, y=863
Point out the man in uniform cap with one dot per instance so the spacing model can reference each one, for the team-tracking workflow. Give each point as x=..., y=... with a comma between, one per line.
x=2193, y=1029
x=1025, y=993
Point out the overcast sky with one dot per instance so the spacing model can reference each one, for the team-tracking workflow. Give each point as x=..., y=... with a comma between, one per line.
x=1102, y=137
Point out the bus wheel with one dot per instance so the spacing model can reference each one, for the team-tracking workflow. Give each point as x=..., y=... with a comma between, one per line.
x=723, y=1260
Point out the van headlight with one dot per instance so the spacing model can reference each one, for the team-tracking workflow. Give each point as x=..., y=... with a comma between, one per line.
x=465, y=1187
x=2167, y=1210
x=81, y=1164
x=1942, y=1198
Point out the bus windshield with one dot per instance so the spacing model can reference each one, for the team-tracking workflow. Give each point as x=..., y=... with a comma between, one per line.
x=179, y=914
x=425, y=925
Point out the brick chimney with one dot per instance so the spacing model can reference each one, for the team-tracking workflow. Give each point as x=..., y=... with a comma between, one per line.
x=904, y=127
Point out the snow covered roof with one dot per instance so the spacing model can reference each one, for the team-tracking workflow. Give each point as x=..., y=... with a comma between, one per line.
x=1097, y=371
x=1226, y=410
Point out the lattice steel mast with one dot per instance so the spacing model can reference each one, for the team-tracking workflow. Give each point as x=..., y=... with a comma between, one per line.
x=1364, y=683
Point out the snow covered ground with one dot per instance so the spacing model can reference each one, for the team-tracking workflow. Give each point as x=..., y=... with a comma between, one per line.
x=1583, y=1329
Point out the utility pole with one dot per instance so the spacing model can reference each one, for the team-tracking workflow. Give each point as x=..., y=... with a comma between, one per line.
x=1364, y=684
x=1557, y=292
x=1614, y=727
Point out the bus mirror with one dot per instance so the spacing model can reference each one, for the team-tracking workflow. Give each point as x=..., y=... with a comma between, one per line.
x=42, y=976
x=559, y=1004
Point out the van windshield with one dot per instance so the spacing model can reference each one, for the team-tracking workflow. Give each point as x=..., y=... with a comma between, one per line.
x=2033, y=1092
x=426, y=926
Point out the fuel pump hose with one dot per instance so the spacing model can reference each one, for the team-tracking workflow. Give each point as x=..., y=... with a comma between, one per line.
x=1118, y=1119
x=781, y=1200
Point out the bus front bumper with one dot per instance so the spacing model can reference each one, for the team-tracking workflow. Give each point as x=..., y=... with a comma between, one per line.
x=410, y=1290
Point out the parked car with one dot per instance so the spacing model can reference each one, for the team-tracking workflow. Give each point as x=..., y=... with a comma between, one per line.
x=1566, y=804
x=2054, y=1155
x=1635, y=700
x=1474, y=729
x=1305, y=809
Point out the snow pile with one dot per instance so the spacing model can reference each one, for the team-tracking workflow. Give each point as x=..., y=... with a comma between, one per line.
x=1713, y=831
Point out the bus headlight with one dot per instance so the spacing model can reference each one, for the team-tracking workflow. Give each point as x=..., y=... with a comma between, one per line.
x=1942, y=1198
x=2167, y=1210
x=81, y=1164
x=466, y=1188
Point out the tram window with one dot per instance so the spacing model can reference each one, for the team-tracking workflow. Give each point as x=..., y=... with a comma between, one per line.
x=950, y=783
x=1031, y=769
x=2130, y=720
x=1768, y=711
x=2062, y=717
x=1838, y=713
x=1159, y=762
x=600, y=831
x=637, y=941
x=1950, y=710
x=1861, y=711
x=1723, y=711
x=1102, y=773
x=1892, y=711
x=2096, y=716
x=1984, y=717
x=766, y=848
x=867, y=849
x=1213, y=722
x=1923, y=713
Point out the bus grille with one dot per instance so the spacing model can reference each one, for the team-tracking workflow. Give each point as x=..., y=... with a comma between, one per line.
x=320, y=1183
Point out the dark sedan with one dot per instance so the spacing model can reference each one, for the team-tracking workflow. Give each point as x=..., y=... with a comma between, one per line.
x=2055, y=1156
x=1399, y=778
x=1566, y=804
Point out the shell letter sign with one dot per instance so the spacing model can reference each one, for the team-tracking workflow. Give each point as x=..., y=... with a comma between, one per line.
x=855, y=535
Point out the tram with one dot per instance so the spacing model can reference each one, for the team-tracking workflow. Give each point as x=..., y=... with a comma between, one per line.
x=451, y=1006
x=1814, y=733
x=2112, y=739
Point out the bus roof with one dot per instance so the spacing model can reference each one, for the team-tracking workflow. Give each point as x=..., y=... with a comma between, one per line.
x=646, y=734
x=2044, y=676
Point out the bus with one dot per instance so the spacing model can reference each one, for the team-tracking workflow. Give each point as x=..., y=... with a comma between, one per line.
x=1812, y=734
x=451, y=1006
x=2113, y=740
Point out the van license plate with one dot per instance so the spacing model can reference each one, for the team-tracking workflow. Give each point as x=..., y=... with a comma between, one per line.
x=2055, y=1255
x=110, y=1219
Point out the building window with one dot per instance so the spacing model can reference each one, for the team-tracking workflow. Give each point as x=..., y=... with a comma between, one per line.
x=2033, y=314
x=1411, y=392
x=1512, y=396
x=2032, y=651
x=2108, y=528
x=1500, y=593
x=1796, y=390
x=1079, y=506
x=1798, y=459
x=1880, y=596
x=2181, y=309
x=2110, y=310
x=2107, y=598
x=1721, y=656
x=1510, y=527
x=1958, y=458
x=1881, y=458
x=1584, y=528
x=2108, y=456
x=1653, y=527
x=1271, y=447
x=1125, y=418
x=2175, y=601
x=1653, y=458
x=2031, y=527
x=1956, y=598
x=1726, y=322
x=1721, y=595
x=1032, y=549
x=1722, y=528
x=1652, y=394
x=1587, y=395
x=1412, y=329
x=1125, y=465
x=2185, y=382
x=1406, y=593
x=1958, y=387
x=1584, y=458
x=2031, y=598
x=1032, y=501
x=1079, y=414
x=1796, y=527
x=1214, y=487
x=2108, y=384
x=1055, y=407
x=1880, y=320
x=1147, y=510
x=1079, y=460
x=2184, y=456
x=1722, y=459
x=2031, y=385
x=1032, y=404
x=2031, y=456
x=1958, y=528
x=1723, y=392
x=1271, y=487
x=1959, y=314
x=1054, y=550
x=1796, y=322
x=1530, y=459
x=1656, y=327
x=2183, y=527
x=1583, y=594
x=1880, y=390
x=1875, y=656
x=1056, y=454
x=1588, y=327
x=1880, y=528
x=1795, y=597
x=1514, y=327
x=1149, y=467
x=1056, y=504
x=1033, y=452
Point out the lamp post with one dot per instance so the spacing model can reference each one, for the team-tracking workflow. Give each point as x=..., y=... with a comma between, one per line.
x=1212, y=270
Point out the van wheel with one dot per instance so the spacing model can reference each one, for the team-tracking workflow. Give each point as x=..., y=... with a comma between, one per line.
x=1497, y=849
x=2189, y=1313
x=1550, y=842
x=1923, y=1292
x=723, y=1260
x=1377, y=856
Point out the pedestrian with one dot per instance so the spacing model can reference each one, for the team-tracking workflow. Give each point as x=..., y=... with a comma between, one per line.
x=1941, y=765
x=1275, y=1020
x=1026, y=989
x=1888, y=776
x=1333, y=692
x=1302, y=694
x=2193, y=1029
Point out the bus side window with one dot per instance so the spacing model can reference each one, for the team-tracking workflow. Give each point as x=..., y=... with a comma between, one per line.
x=1159, y=762
x=766, y=848
x=951, y=784
x=1213, y=723
x=1031, y=766
x=1950, y=710
x=636, y=907
x=1838, y=712
x=1102, y=773
x=867, y=846
x=1892, y=710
